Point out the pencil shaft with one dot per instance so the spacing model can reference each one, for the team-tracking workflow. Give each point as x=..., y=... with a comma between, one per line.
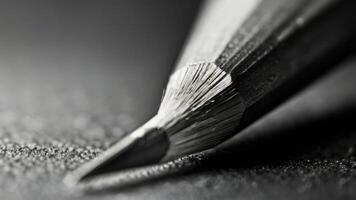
x=271, y=48
x=243, y=59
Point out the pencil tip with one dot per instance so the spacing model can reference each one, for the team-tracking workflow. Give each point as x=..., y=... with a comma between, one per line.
x=144, y=146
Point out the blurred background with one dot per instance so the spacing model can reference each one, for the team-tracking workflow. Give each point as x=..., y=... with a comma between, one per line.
x=119, y=50
x=77, y=75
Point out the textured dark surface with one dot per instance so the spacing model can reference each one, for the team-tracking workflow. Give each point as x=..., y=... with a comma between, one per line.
x=74, y=77
x=66, y=94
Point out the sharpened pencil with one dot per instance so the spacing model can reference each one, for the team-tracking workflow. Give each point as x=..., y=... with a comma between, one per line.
x=243, y=59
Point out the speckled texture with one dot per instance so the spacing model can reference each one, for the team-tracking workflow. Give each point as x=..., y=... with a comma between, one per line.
x=74, y=79
x=62, y=104
x=37, y=150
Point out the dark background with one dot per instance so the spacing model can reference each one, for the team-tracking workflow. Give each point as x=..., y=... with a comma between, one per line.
x=112, y=48
x=77, y=75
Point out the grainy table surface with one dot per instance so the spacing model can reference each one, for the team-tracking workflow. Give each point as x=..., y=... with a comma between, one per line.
x=72, y=82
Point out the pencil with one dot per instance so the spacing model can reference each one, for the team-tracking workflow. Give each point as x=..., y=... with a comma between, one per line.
x=243, y=58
